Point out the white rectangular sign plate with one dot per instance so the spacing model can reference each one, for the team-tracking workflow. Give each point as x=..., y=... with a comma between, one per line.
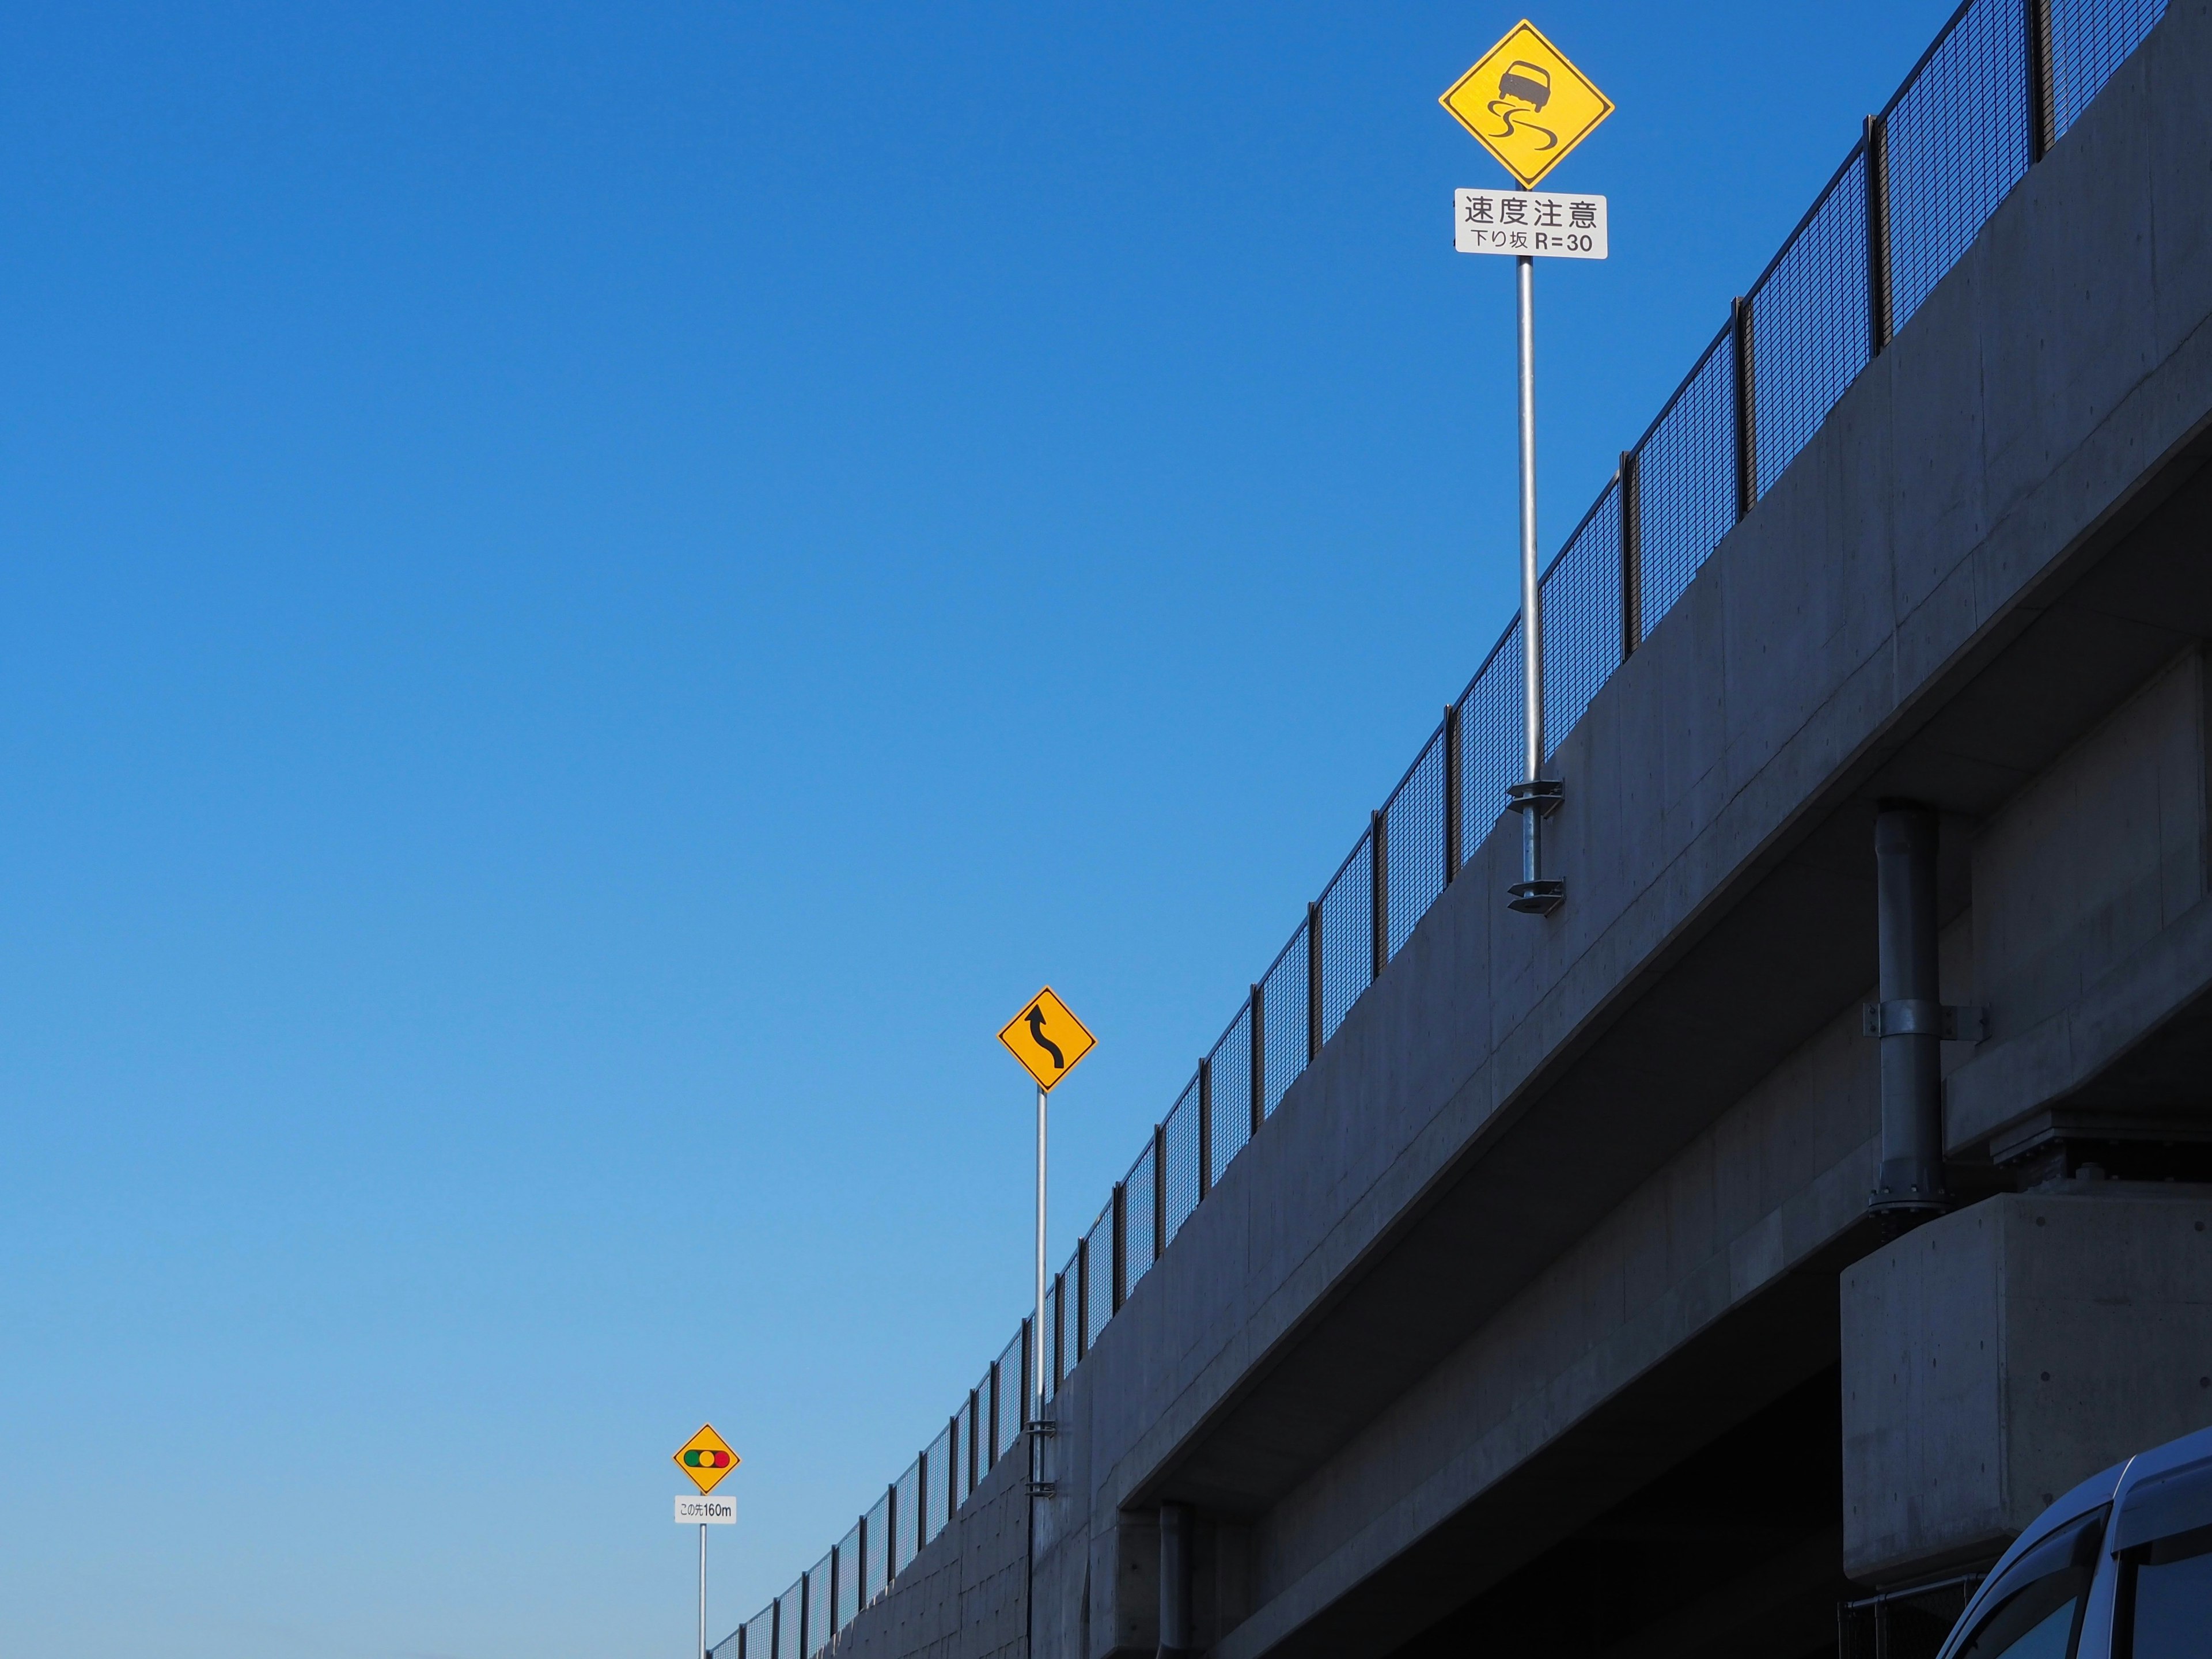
x=1532, y=221
x=712, y=1511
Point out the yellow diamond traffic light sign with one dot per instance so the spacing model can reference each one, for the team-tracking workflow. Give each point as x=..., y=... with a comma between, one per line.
x=1047, y=1038
x=1526, y=104
x=706, y=1458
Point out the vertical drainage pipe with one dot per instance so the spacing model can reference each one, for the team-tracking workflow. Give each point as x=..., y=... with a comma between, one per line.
x=1912, y=1014
x=1175, y=1641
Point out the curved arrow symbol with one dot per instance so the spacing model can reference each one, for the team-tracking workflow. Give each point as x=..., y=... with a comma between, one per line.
x=1037, y=1032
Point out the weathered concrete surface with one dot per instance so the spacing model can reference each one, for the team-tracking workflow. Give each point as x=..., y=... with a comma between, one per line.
x=2087, y=972
x=1563, y=1200
x=1997, y=1357
x=965, y=1595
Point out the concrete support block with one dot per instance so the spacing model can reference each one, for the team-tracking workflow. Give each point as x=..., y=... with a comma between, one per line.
x=1996, y=1357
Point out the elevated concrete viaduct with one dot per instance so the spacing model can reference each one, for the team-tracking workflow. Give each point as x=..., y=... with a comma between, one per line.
x=1520, y=1327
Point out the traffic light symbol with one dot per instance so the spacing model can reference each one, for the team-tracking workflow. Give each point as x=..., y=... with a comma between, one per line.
x=706, y=1458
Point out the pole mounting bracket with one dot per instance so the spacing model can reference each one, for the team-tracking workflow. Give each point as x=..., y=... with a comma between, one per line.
x=1542, y=794
x=1923, y=1016
x=1536, y=898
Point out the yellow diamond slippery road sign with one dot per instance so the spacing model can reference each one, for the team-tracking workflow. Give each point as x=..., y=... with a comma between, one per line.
x=706, y=1458
x=1047, y=1038
x=1526, y=104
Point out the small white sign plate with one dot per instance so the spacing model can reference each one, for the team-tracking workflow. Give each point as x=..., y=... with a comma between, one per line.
x=710, y=1512
x=1531, y=221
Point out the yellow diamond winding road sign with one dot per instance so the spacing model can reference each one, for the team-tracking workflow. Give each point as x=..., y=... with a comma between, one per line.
x=1526, y=104
x=706, y=1458
x=1047, y=1038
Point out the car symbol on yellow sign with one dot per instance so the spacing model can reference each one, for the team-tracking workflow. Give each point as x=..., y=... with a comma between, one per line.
x=1047, y=1038
x=1526, y=104
x=706, y=1458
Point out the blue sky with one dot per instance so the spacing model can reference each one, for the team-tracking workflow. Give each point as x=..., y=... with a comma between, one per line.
x=591, y=595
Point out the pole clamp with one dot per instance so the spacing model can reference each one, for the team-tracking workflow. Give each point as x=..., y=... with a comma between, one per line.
x=1543, y=794
x=1924, y=1017
x=1042, y=1489
x=1042, y=1427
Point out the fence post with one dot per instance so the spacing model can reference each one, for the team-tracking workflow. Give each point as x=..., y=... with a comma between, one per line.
x=1029, y=1382
x=1206, y=1126
x=775, y=1629
x=1314, y=971
x=1059, y=1330
x=1873, y=141
x=1160, y=1190
x=2042, y=89
x=974, y=1421
x=1632, y=557
x=1118, y=1289
x=805, y=1610
x=1258, y=1069
x=891, y=1534
x=993, y=1455
x=860, y=1571
x=922, y=1501
x=1082, y=1298
x=1378, y=897
x=1747, y=411
x=833, y=1550
x=951, y=1468
x=1451, y=792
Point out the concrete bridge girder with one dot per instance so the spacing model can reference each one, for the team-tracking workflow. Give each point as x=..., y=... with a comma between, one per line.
x=1563, y=1202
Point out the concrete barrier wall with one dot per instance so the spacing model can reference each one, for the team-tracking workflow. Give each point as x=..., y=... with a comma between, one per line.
x=966, y=1595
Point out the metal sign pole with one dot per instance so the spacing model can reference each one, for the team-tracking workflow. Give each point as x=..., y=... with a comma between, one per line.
x=1536, y=797
x=1532, y=593
x=702, y=1590
x=1036, y=1326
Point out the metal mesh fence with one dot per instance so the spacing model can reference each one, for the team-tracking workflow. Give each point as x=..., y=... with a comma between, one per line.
x=1231, y=1065
x=1284, y=1013
x=1415, y=843
x=2089, y=40
x=818, y=1604
x=1490, y=739
x=1581, y=618
x=1686, y=480
x=1060, y=1335
x=1957, y=142
x=1013, y=1400
x=963, y=1459
x=787, y=1632
x=1099, y=1248
x=937, y=1474
x=1348, y=932
x=1811, y=330
x=1138, y=1215
x=846, y=1575
x=905, y=1541
x=1071, y=1280
x=877, y=1574
x=1957, y=138
x=1183, y=1159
